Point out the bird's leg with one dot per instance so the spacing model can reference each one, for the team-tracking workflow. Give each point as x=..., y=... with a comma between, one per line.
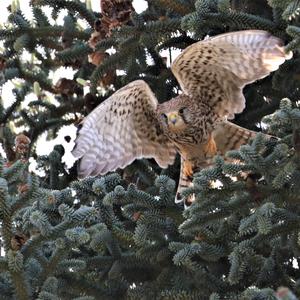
x=185, y=180
x=192, y=165
x=210, y=149
x=188, y=168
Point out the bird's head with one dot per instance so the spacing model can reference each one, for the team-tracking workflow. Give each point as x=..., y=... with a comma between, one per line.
x=175, y=116
x=175, y=119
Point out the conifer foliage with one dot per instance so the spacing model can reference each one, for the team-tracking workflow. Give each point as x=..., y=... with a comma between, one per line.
x=121, y=236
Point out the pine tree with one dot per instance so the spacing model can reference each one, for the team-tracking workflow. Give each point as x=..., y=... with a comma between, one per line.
x=121, y=236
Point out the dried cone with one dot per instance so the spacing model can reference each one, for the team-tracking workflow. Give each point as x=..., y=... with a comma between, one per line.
x=113, y=24
x=23, y=188
x=115, y=13
x=22, y=144
x=95, y=38
x=251, y=185
x=51, y=199
x=2, y=63
x=96, y=59
x=18, y=240
x=117, y=9
x=200, y=237
x=65, y=86
x=136, y=215
x=97, y=35
x=162, y=18
x=108, y=79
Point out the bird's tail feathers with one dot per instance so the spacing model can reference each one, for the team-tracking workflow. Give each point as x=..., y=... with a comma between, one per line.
x=229, y=136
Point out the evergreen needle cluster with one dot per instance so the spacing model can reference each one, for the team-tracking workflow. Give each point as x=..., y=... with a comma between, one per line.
x=121, y=236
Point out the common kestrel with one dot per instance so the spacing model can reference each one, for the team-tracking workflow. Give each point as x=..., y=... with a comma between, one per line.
x=131, y=124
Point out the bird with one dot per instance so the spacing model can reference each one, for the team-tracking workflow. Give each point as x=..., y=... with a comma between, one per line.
x=131, y=123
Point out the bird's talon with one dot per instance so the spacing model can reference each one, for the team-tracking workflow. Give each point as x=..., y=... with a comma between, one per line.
x=188, y=169
x=210, y=148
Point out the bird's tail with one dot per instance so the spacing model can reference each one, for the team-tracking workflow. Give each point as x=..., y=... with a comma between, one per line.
x=229, y=136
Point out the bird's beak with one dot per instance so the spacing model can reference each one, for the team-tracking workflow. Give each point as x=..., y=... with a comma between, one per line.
x=172, y=118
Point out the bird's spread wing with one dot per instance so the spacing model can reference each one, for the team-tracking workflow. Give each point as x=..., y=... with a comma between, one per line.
x=216, y=70
x=122, y=128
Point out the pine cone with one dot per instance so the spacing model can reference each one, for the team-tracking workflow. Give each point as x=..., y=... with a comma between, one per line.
x=22, y=144
x=23, y=188
x=96, y=58
x=115, y=13
x=66, y=86
x=18, y=240
x=2, y=63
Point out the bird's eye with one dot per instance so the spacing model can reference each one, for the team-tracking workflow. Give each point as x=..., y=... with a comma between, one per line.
x=164, y=116
x=181, y=110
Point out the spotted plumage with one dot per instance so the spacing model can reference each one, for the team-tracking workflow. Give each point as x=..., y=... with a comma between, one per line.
x=132, y=124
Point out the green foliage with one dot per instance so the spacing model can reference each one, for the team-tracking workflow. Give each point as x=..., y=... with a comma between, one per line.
x=106, y=235
x=250, y=220
x=121, y=236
